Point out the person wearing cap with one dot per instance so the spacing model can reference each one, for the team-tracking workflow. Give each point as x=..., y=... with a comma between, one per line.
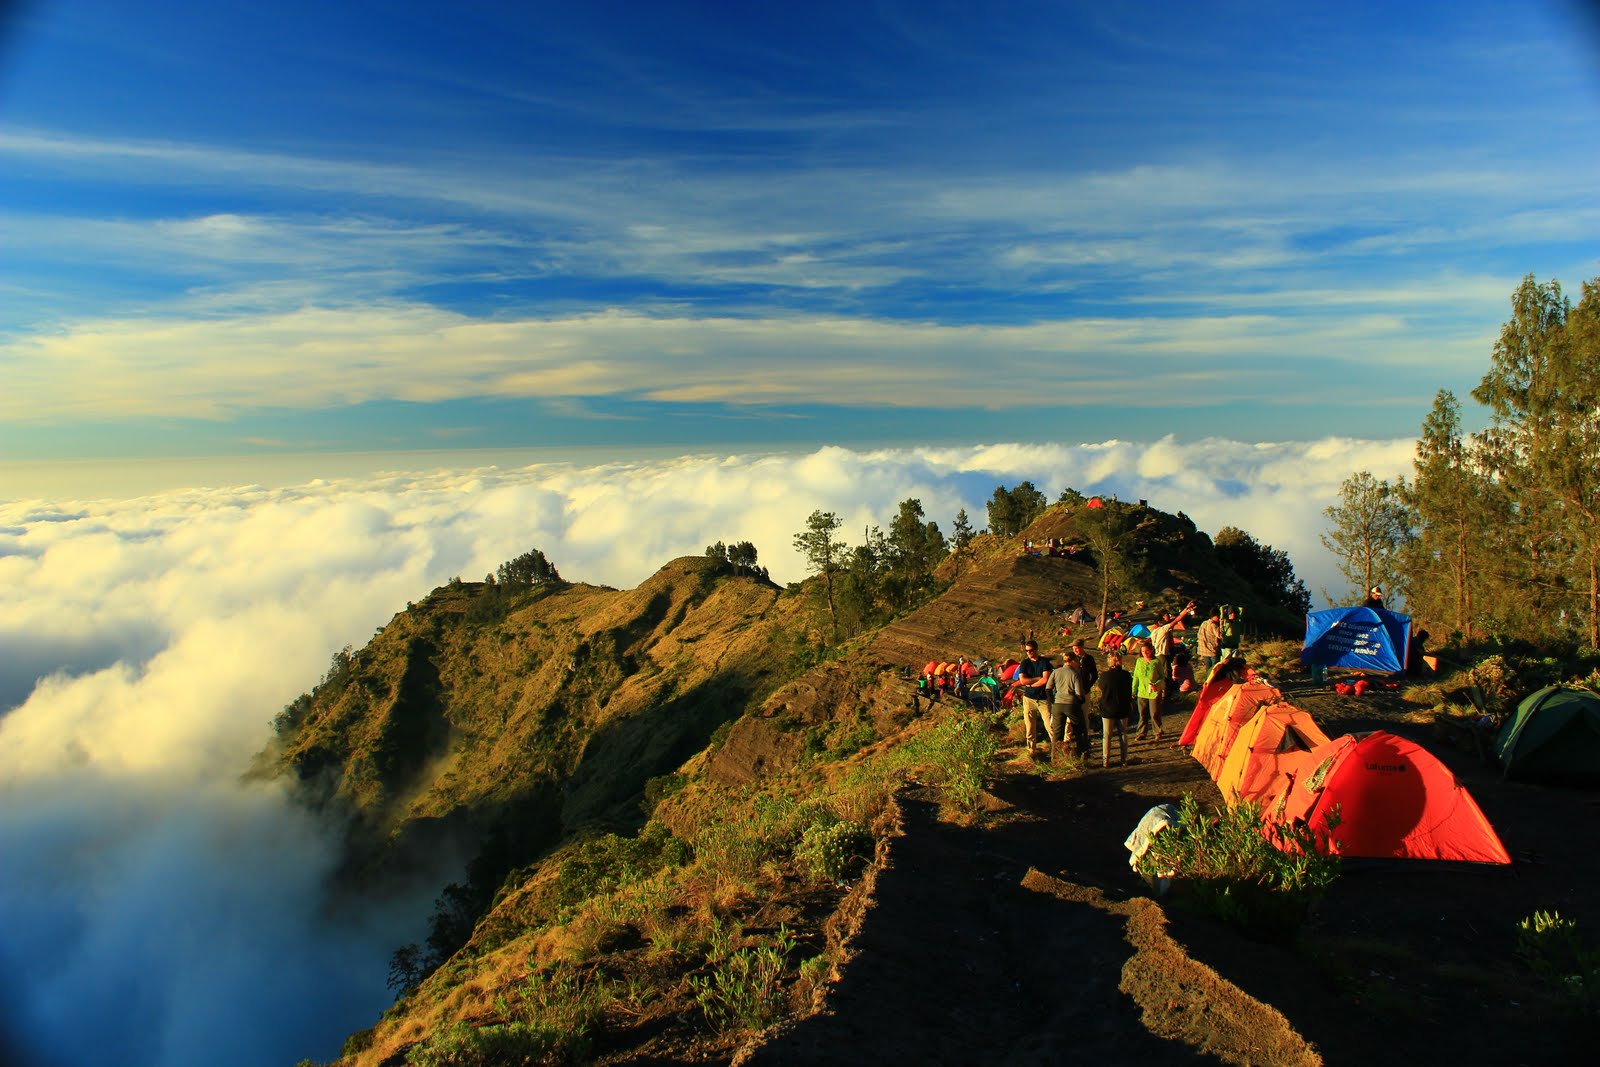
x=1161, y=637
x=1031, y=684
x=1374, y=598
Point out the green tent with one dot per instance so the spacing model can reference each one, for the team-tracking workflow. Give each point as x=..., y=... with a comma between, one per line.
x=1553, y=737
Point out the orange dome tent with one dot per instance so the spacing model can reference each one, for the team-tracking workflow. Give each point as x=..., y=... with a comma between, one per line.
x=1227, y=716
x=1257, y=758
x=1395, y=801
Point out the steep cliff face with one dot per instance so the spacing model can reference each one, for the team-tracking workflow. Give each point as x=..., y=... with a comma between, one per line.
x=548, y=708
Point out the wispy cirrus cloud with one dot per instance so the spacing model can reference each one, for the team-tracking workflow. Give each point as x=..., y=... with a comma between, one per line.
x=316, y=358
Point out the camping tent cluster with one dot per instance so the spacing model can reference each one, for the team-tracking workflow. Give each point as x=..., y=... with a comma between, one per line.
x=1394, y=799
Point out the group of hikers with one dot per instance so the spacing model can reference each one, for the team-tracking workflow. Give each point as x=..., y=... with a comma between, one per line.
x=1141, y=674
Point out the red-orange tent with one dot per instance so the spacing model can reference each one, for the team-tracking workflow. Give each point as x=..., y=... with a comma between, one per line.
x=1262, y=750
x=1394, y=798
x=930, y=666
x=1009, y=670
x=1210, y=693
x=1236, y=707
x=1095, y=502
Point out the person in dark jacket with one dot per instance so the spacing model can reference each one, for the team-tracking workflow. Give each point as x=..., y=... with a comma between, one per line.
x=1116, y=707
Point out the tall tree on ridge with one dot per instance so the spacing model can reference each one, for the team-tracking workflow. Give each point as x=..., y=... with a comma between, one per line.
x=1371, y=526
x=1453, y=502
x=822, y=551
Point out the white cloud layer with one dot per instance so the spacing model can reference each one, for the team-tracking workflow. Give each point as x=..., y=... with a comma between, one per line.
x=148, y=642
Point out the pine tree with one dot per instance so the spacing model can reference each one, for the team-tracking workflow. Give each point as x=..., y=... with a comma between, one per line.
x=822, y=552
x=1371, y=528
x=961, y=537
x=1543, y=394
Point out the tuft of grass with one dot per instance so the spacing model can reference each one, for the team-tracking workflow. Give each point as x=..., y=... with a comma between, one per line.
x=743, y=990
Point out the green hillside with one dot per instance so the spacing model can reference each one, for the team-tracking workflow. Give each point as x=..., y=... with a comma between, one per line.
x=529, y=733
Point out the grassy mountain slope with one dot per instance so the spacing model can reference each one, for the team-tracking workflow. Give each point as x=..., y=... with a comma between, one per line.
x=546, y=710
x=535, y=720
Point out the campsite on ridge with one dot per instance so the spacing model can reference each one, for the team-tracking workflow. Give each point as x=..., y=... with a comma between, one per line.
x=710, y=831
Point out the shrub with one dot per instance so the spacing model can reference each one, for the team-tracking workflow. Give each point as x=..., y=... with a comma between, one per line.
x=609, y=862
x=461, y=1045
x=1555, y=951
x=834, y=853
x=959, y=751
x=743, y=991
x=1235, y=867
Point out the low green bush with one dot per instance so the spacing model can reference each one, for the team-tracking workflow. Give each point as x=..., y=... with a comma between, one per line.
x=834, y=853
x=1555, y=950
x=959, y=751
x=1235, y=867
x=461, y=1045
x=609, y=862
x=743, y=990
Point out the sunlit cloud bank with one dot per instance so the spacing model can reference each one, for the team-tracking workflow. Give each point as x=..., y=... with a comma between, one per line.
x=147, y=644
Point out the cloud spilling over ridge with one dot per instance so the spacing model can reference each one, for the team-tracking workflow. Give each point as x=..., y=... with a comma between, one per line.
x=147, y=643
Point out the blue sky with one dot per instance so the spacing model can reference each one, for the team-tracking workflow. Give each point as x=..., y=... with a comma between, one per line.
x=235, y=229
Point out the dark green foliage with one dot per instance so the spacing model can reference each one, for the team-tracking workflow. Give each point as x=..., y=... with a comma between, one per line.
x=739, y=558
x=1267, y=570
x=1371, y=529
x=288, y=721
x=1011, y=510
x=497, y=1044
x=359, y=1041
x=526, y=571
x=961, y=537
x=834, y=853
x=606, y=863
x=660, y=788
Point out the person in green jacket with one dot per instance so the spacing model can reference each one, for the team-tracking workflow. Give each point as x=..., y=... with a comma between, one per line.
x=1149, y=689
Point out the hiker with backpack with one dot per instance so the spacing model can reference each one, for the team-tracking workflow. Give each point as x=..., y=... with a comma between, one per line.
x=1069, y=692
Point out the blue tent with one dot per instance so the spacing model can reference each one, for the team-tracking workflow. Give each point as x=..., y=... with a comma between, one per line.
x=1365, y=638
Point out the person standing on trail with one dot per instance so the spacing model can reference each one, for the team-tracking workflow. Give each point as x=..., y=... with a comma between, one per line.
x=1149, y=686
x=1116, y=707
x=1091, y=674
x=1208, y=642
x=1033, y=675
x=1069, y=692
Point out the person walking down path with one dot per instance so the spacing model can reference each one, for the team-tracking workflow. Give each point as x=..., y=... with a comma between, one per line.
x=1033, y=677
x=1069, y=692
x=1149, y=687
x=1116, y=707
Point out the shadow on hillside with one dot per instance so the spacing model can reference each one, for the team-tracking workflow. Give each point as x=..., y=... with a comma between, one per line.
x=958, y=963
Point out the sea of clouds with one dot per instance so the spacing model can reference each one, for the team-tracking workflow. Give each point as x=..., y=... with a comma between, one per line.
x=155, y=909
